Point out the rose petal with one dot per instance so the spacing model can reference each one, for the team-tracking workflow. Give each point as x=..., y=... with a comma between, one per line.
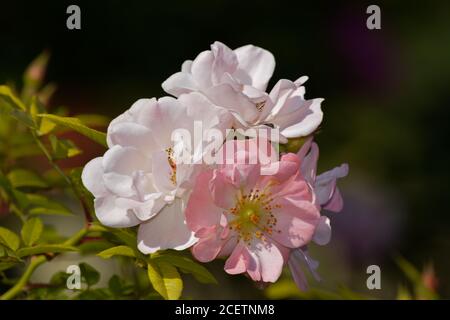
x=167, y=230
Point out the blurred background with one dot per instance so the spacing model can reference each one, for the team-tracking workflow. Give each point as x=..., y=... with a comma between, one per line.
x=386, y=109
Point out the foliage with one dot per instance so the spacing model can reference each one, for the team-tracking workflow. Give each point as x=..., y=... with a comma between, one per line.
x=29, y=133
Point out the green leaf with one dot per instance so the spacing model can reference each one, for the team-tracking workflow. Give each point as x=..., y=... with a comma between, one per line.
x=50, y=211
x=46, y=127
x=94, y=120
x=9, y=239
x=117, y=251
x=409, y=270
x=42, y=205
x=115, y=285
x=44, y=248
x=94, y=246
x=59, y=278
x=13, y=107
x=293, y=145
x=31, y=231
x=36, y=107
x=90, y=275
x=63, y=148
x=23, y=151
x=51, y=235
x=76, y=125
x=165, y=280
x=25, y=178
x=8, y=262
x=8, y=98
x=186, y=265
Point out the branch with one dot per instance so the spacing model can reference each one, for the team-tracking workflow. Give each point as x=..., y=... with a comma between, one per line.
x=17, y=288
x=36, y=262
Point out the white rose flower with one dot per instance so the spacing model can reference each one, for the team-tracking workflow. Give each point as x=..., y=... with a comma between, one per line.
x=139, y=180
x=237, y=80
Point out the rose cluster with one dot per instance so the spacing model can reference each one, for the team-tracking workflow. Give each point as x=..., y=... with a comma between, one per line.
x=255, y=205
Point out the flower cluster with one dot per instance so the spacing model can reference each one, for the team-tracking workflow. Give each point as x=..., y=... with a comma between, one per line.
x=202, y=169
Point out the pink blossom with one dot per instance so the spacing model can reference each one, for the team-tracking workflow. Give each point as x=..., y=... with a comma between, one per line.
x=252, y=218
x=326, y=196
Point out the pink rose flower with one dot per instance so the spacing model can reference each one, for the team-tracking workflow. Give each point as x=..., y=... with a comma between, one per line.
x=255, y=219
x=327, y=196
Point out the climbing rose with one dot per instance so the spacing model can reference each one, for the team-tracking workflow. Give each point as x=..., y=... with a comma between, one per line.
x=237, y=80
x=139, y=180
x=254, y=219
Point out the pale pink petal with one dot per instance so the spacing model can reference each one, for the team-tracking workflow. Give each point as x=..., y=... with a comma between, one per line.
x=186, y=66
x=305, y=148
x=300, y=81
x=222, y=191
x=297, y=260
x=336, y=203
x=179, y=83
x=129, y=134
x=201, y=211
x=201, y=69
x=322, y=235
x=238, y=260
x=269, y=260
x=325, y=184
x=125, y=160
x=119, y=184
x=284, y=169
x=287, y=98
x=309, y=120
x=309, y=164
x=225, y=61
x=92, y=177
x=225, y=96
x=144, y=210
x=112, y=215
x=163, y=177
x=258, y=63
x=296, y=222
x=207, y=248
x=200, y=108
x=297, y=273
x=167, y=230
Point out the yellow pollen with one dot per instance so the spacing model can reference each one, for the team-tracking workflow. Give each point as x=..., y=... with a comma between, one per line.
x=173, y=165
x=260, y=105
x=252, y=215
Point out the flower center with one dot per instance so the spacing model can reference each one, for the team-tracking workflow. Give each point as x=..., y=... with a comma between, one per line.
x=260, y=105
x=252, y=215
x=173, y=166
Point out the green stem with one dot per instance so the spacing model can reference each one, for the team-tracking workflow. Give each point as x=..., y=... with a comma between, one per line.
x=17, y=288
x=50, y=158
x=36, y=262
x=18, y=213
x=76, y=237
